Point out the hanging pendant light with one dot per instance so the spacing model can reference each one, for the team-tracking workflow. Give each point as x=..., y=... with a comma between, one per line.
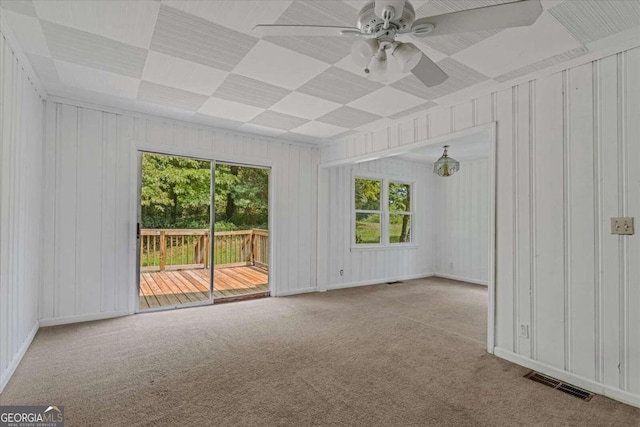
x=446, y=166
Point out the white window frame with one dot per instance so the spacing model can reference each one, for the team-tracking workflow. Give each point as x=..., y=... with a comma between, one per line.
x=384, y=211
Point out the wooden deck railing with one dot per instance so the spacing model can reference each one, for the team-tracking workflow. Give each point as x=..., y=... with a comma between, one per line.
x=178, y=249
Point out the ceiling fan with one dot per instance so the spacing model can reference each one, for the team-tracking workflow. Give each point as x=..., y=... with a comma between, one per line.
x=384, y=26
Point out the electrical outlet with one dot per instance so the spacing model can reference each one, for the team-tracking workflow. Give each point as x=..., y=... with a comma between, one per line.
x=622, y=225
x=524, y=331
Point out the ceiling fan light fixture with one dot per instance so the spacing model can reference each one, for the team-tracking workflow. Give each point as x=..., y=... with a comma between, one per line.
x=445, y=165
x=378, y=68
x=363, y=50
x=408, y=56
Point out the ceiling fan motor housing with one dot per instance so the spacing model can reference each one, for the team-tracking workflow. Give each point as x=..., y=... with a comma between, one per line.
x=369, y=23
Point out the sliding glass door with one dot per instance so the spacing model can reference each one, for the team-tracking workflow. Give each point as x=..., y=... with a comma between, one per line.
x=174, y=232
x=241, y=242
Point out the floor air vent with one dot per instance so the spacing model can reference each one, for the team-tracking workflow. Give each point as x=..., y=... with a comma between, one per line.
x=559, y=385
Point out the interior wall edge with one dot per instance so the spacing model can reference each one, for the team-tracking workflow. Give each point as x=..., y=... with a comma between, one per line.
x=5, y=30
x=462, y=279
x=291, y=292
x=21, y=207
x=379, y=281
x=8, y=373
x=56, y=321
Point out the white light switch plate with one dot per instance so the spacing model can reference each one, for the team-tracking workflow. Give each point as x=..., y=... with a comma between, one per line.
x=622, y=225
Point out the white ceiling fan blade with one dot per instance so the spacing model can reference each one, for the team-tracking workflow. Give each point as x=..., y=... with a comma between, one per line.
x=303, y=30
x=428, y=72
x=517, y=14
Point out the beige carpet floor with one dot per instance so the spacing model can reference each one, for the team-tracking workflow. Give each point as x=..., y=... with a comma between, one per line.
x=389, y=355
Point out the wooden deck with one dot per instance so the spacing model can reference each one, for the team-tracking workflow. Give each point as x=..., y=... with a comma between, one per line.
x=170, y=288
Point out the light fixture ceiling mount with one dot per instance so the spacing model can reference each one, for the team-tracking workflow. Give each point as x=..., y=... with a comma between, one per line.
x=445, y=165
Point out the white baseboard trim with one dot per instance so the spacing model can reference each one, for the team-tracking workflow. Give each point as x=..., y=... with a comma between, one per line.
x=462, y=279
x=582, y=382
x=55, y=321
x=378, y=281
x=8, y=373
x=295, y=292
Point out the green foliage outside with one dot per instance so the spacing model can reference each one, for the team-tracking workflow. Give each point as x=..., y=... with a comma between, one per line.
x=176, y=194
x=369, y=232
x=242, y=198
x=399, y=197
x=367, y=194
x=368, y=197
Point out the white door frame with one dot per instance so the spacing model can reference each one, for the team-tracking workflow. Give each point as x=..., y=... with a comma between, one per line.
x=215, y=158
x=487, y=131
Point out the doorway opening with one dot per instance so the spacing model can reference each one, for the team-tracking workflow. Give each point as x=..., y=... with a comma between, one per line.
x=202, y=232
x=450, y=219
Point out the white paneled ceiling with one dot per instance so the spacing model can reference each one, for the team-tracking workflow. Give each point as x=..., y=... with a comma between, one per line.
x=198, y=60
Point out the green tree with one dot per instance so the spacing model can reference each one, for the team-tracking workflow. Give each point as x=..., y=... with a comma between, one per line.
x=400, y=201
x=176, y=193
x=242, y=196
x=367, y=194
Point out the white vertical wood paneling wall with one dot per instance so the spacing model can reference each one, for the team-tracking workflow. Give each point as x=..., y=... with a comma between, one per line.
x=568, y=157
x=21, y=209
x=461, y=232
x=372, y=265
x=91, y=197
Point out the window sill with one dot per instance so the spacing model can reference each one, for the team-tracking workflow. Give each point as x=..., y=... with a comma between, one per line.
x=383, y=247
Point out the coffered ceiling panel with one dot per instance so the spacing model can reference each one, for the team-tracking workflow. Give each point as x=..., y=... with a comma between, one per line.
x=348, y=117
x=320, y=130
x=130, y=22
x=250, y=91
x=514, y=48
x=178, y=73
x=278, y=120
x=592, y=20
x=237, y=15
x=303, y=105
x=92, y=79
x=199, y=60
x=92, y=50
x=339, y=86
x=171, y=97
x=24, y=7
x=279, y=66
x=195, y=39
